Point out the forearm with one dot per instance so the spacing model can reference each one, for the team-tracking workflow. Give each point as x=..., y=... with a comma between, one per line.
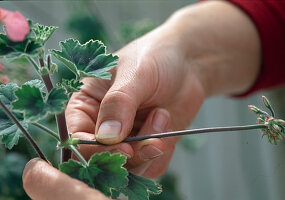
x=221, y=46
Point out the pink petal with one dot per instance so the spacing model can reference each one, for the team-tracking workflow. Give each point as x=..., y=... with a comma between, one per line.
x=5, y=79
x=17, y=27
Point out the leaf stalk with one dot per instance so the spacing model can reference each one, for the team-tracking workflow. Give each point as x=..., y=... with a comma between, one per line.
x=78, y=155
x=46, y=129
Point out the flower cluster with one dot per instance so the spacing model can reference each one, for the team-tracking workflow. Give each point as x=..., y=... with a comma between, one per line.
x=274, y=128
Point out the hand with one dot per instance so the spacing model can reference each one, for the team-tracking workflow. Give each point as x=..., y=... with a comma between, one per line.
x=41, y=181
x=152, y=90
x=161, y=81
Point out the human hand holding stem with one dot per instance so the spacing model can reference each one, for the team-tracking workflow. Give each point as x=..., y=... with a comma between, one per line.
x=203, y=71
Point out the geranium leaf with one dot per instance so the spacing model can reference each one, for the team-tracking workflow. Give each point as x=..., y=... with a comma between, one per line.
x=36, y=82
x=56, y=101
x=104, y=171
x=42, y=33
x=87, y=60
x=9, y=131
x=139, y=188
x=11, y=135
x=32, y=103
x=32, y=46
x=12, y=50
x=71, y=85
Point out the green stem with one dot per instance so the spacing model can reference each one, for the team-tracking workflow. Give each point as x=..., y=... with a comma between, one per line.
x=78, y=155
x=184, y=132
x=46, y=129
x=35, y=65
x=27, y=135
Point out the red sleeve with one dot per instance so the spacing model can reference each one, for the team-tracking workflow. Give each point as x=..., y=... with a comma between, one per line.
x=269, y=19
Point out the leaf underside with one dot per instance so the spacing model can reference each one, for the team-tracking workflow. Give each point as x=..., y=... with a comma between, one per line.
x=87, y=60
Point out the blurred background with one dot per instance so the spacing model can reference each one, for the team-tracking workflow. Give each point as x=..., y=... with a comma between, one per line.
x=217, y=166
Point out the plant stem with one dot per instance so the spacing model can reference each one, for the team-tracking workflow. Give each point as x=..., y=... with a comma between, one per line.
x=63, y=134
x=27, y=135
x=60, y=119
x=78, y=155
x=46, y=129
x=33, y=63
x=184, y=132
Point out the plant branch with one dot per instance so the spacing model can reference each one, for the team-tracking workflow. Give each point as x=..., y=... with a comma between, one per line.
x=35, y=65
x=27, y=135
x=46, y=129
x=78, y=155
x=60, y=118
x=184, y=132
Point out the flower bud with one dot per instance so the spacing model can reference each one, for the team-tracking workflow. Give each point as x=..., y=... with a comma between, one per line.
x=266, y=101
x=256, y=110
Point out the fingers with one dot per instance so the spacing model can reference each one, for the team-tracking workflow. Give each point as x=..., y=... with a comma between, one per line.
x=132, y=86
x=43, y=182
x=82, y=109
x=151, y=157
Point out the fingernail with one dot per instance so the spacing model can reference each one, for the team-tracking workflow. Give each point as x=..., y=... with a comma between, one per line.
x=109, y=130
x=120, y=152
x=150, y=152
x=160, y=120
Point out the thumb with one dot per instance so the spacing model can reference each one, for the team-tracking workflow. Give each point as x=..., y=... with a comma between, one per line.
x=131, y=87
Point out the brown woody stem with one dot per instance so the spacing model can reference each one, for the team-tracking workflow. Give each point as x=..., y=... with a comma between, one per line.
x=60, y=119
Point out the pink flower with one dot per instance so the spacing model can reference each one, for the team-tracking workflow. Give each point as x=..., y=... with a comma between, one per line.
x=17, y=27
x=5, y=79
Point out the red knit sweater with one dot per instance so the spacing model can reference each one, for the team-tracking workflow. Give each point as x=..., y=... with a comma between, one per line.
x=269, y=18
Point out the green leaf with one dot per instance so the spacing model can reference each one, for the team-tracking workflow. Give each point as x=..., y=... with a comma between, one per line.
x=32, y=46
x=139, y=188
x=71, y=85
x=104, y=171
x=87, y=60
x=11, y=135
x=12, y=50
x=9, y=131
x=56, y=101
x=31, y=102
x=36, y=82
x=42, y=33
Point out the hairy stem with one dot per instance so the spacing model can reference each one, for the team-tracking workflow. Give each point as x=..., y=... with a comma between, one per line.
x=184, y=132
x=27, y=135
x=35, y=65
x=60, y=119
x=46, y=129
x=78, y=155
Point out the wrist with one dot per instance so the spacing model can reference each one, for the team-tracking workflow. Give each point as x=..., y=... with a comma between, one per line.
x=221, y=46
